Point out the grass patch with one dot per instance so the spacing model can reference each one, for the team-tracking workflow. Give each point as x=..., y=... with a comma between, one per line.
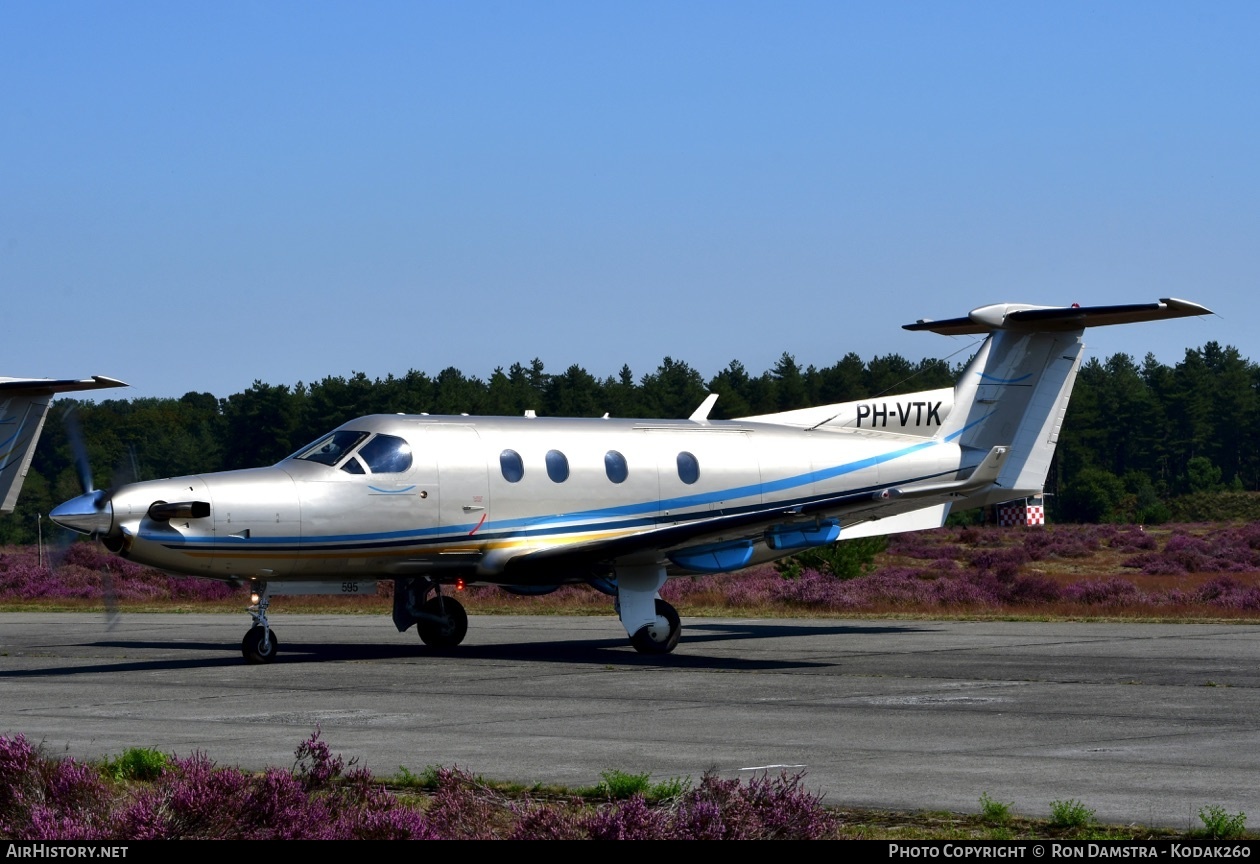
x=408, y=779
x=1070, y=814
x=136, y=763
x=993, y=811
x=616, y=785
x=1221, y=825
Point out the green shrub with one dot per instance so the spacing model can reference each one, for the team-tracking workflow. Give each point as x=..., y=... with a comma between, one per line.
x=844, y=559
x=1094, y=495
x=137, y=763
x=1217, y=823
x=426, y=779
x=994, y=812
x=1216, y=507
x=1070, y=814
x=621, y=784
x=668, y=789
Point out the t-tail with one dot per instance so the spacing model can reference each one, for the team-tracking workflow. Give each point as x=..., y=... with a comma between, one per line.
x=1004, y=413
x=1015, y=391
x=23, y=408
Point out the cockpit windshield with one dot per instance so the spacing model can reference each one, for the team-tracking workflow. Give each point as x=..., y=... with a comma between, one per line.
x=329, y=449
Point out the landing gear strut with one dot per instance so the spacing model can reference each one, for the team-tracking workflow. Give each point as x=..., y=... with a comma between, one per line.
x=260, y=645
x=440, y=620
x=658, y=638
x=652, y=624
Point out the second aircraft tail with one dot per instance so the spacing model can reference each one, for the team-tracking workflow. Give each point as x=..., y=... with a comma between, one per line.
x=23, y=406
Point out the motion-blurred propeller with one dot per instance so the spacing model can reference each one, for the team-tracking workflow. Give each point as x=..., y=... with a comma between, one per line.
x=90, y=513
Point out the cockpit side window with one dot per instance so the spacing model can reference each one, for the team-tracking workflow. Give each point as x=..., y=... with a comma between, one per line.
x=353, y=466
x=386, y=454
x=329, y=449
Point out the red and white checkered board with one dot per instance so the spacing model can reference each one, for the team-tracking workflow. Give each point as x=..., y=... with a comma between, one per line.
x=1018, y=514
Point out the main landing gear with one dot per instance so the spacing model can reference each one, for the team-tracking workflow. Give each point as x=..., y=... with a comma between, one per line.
x=661, y=636
x=652, y=624
x=440, y=620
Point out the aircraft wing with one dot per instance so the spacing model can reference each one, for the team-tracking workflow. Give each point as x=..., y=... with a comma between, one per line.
x=58, y=385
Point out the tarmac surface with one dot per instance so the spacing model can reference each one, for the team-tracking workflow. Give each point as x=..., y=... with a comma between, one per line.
x=1144, y=723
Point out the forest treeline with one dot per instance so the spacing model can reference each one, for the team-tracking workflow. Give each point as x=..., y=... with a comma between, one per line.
x=1138, y=442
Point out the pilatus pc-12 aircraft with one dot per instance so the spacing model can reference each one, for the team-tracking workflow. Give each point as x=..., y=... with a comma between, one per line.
x=532, y=503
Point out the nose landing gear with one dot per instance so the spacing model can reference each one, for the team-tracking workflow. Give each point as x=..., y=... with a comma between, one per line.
x=260, y=645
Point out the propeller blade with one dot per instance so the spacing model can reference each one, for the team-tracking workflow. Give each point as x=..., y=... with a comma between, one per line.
x=110, y=596
x=74, y=431
x=90, y=513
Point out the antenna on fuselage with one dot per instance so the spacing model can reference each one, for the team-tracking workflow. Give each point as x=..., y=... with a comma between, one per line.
x=701, y=414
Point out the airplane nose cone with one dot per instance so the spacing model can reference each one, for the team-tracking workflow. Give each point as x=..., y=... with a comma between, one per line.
x=91, y=513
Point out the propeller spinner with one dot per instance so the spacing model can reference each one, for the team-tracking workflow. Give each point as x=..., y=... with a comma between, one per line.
x=91, y=513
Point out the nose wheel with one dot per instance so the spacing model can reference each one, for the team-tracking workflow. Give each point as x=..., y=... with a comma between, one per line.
x=260, y=644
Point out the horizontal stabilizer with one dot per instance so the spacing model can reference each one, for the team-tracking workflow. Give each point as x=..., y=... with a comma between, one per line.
x=1021, y=316
x=982, y=477
x=58, y=385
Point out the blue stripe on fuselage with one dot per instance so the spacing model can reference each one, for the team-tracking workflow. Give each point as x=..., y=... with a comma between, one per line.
x=577, y=521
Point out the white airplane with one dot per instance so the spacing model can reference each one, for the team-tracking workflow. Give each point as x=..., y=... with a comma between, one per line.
x=531, y=503
x=23, y=407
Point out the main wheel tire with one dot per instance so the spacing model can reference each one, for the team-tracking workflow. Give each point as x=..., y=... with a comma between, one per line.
x=451, y=625
x=252, y=646
x=643, y=640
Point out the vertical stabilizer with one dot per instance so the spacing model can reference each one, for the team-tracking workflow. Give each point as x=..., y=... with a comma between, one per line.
x=23, y=408
x=21, y=421
x=1014, y=393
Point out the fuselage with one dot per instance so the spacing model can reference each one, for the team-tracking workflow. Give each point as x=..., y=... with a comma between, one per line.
x=395, y=495
x=530, y=504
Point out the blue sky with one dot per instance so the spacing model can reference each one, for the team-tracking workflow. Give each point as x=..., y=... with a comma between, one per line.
x=197, y=195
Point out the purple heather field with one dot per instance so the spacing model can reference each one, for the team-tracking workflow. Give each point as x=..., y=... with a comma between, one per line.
x=1197, y=570
x=321, y=797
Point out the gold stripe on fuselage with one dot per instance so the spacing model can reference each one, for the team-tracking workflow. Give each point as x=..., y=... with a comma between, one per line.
x=529, y=544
